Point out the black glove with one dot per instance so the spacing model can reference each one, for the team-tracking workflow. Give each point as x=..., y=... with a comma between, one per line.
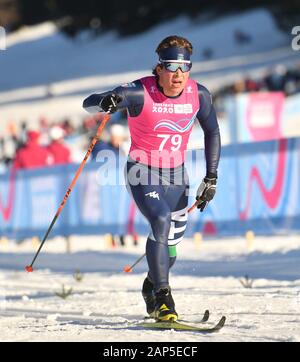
x=206, y=191
x=109, y=103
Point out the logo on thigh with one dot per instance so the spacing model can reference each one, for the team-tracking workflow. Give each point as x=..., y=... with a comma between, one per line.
x=178, y=226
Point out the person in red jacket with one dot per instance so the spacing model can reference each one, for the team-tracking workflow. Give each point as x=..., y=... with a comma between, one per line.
x=59, y=152
x=32, y=154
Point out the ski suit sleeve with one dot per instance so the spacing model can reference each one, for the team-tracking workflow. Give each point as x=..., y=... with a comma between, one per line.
x=131, y=98
x=209, y=123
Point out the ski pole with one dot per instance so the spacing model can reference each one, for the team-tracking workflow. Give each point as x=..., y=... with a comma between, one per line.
x=29, y=268
x=196, y=203
x=128, y=269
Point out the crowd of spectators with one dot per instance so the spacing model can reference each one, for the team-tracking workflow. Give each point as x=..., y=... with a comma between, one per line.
x=278, y=79
x=27, y=148
x=50, y=143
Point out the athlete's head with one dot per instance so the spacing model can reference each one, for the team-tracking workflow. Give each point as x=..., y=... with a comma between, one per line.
x=174, y=65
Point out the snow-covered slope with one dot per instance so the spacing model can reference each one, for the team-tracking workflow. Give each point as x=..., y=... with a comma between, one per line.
x=45, y=73
x=42, y=56
x=106, y=302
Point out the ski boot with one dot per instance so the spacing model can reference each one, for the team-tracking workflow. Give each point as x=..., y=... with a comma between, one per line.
x=149, y=297
x=165, y=306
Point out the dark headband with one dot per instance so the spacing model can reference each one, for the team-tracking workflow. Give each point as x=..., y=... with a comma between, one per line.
x=175, y=54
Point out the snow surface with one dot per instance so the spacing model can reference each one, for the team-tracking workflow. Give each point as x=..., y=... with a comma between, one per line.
x=106, y=303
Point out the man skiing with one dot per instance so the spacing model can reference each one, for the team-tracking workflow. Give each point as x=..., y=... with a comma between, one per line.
x=161, y=111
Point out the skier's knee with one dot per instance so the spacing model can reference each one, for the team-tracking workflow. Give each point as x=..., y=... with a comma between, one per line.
x=163, y=219
x=161, y=226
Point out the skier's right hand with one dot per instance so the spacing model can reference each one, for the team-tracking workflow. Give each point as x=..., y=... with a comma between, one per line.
x=109, y=103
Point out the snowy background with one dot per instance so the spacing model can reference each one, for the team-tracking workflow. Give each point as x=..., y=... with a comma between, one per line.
x=208, y=274
x=39, y=61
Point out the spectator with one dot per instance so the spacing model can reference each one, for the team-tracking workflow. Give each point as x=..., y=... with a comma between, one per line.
x=238, y=87
x=117, y=138
x=292, y=84
x=89, y=124
x=32, y=155
x=59, y=152
x=67, y=127
x=44, y=129
x=251, y=85
x=23, y=134
x=275, y=81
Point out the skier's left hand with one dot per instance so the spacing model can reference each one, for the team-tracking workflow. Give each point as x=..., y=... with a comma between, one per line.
x=206, y=191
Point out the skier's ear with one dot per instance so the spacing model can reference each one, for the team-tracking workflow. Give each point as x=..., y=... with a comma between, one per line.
x=159, y=68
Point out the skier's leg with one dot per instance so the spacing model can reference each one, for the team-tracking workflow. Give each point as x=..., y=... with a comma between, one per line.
x=177, y=198
x=149, y=197
x=178, y=225
x=148, y=285
x=172, y=259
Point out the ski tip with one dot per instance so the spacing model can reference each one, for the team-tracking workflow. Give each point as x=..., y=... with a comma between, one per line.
x=205, y=316
x=222, y=322
x=127, y=269
x=29, y=269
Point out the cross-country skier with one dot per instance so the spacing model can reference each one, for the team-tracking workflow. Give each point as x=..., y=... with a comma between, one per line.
x=161, y=111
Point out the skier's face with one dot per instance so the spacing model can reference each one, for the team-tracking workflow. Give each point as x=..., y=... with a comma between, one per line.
x=172, y=83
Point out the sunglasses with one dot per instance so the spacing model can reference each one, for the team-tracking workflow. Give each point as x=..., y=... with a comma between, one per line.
x=174, y=66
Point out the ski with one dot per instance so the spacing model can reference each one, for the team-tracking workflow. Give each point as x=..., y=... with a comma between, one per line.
x=205, y=317
x=203, y=320
x=179, y=326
